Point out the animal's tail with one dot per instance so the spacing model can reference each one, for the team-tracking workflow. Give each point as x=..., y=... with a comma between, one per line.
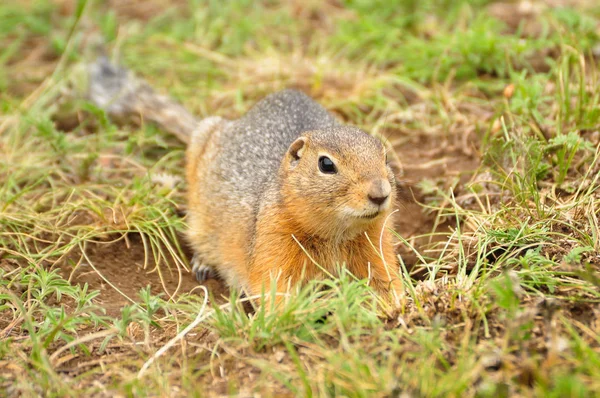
x=124, y=96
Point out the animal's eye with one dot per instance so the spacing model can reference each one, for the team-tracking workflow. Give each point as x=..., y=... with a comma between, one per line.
x=326, y=165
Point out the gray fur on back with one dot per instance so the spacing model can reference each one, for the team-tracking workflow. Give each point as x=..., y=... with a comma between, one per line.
x=254, y=145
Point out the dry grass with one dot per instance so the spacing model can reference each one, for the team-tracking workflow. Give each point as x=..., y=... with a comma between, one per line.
x=491, y=108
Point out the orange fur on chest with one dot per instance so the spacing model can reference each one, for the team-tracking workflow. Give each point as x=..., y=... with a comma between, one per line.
x=284, y=254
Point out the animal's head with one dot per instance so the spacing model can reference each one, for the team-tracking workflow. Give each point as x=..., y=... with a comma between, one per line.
x=337, y=181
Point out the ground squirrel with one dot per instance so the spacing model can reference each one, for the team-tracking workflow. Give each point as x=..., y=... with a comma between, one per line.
x=283, y=193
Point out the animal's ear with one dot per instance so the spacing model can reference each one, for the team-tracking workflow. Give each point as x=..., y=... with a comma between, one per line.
x=296, y=150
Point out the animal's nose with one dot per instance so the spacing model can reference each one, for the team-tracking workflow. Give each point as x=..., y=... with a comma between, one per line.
x=379, y=191
x=378, y=199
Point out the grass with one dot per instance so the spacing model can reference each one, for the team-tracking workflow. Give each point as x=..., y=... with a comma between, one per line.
x=494, y=115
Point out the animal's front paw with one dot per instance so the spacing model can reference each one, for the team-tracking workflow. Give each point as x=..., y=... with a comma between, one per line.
x=202, y=271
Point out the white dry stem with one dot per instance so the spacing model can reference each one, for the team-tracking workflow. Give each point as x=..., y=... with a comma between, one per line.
x=81, y=340
x=396, y=298
x=202, y=316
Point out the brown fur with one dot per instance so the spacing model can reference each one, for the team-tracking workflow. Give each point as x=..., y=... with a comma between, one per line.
x=293, y=240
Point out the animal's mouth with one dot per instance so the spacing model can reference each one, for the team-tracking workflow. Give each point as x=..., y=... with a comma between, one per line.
x=369, y=215
x=364, y=215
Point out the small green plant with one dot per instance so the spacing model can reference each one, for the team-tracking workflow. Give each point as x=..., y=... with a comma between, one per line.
x=574, y=257
x=535, y=270
x=565, y=148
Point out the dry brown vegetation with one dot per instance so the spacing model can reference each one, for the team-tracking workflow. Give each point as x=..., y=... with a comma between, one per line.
x=491, y=107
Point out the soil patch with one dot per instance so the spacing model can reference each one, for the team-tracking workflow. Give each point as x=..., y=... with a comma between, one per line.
x=121, y=264
x=431, y=159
